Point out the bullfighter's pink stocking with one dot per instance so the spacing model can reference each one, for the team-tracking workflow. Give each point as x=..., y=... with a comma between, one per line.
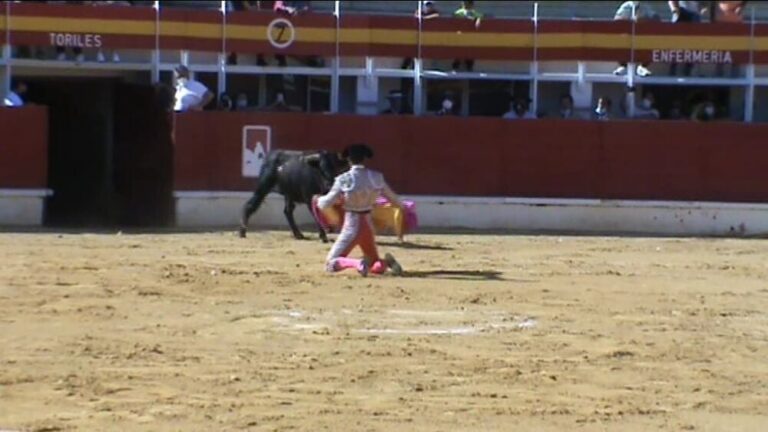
x=344, y=263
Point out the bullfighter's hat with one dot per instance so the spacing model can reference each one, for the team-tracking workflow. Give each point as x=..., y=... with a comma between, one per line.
x=357, y=151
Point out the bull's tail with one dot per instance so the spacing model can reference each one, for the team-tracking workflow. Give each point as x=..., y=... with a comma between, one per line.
x=266, y=183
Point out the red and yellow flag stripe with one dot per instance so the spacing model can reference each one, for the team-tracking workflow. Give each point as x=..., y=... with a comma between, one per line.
x=380, y=36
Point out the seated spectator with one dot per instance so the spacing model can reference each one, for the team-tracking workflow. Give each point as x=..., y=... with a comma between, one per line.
x=241, y=103
x=567, y=110
x=14, y=96
x=191, y=95
x=467, y=11
x=603, y=109
x=279, y=104
x=647, y=109
x=704, y=112
x=291, y=7
x=428, y=11
x=447, y=107
x=634, y=11
x=729, y=11
x=395, y=102
x=685, y=12
x=518, y=110
x=676, y=112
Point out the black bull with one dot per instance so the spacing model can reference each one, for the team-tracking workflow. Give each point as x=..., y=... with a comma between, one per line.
x=297, y=176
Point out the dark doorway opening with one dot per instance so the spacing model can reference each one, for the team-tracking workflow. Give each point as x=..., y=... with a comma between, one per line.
x=109, y=153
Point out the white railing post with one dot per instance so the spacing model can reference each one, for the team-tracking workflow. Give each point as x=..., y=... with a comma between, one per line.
x=749, y=93
x=630, y=99
x=5, y=77
x=336, y=60
x=418, y=98
x=221, y=79
x=155, y=72
x=534, y=70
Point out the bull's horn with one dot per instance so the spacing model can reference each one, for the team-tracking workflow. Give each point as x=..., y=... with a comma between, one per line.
x=311, y=158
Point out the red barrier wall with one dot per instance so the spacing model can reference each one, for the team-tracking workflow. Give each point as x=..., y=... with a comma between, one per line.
x=660, y=160
x=24, y=148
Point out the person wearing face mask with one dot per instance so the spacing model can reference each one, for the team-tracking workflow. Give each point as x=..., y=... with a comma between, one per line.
x=603, y=109
x=191, y=95
x=241, y=103
x=566, y=108
x=704, y=112
x=279, y=103
x=647, y=110
x=447, y=108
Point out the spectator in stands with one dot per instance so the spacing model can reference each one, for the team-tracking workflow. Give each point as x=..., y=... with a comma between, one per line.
x=447, y=107
x=14, y=96
x=567, y=110
x=428, y=11
x=467, y=11
x=704, y=112
x=634, y=11
x=241, y=103
x=647, y=108
x=291, y=8
x=685, y=12
x=676, y=112
x=395, y=102
x=191, y=95
x=519, y=109
x=279, y=104
x=603, y=109
x=730, y=12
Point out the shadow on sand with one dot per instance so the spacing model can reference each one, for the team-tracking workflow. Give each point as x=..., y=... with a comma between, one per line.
x=469, y=275
x=415, y=246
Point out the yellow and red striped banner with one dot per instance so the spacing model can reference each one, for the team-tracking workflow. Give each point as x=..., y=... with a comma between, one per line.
x=380, y=36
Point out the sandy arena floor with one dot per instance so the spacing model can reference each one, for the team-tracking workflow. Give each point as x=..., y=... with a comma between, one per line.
x=208, y=332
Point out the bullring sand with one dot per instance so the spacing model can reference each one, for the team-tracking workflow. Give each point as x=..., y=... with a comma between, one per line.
x=209, y=332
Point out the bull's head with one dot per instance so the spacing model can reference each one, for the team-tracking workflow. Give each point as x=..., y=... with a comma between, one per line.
x=330, y=165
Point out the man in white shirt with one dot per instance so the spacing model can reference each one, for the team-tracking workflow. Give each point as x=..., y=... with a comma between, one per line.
x=191, y=95
x=13, y=98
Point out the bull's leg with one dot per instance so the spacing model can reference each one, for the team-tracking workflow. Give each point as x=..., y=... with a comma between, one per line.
x=290, y=206
x=266, y=183
x=320, y=230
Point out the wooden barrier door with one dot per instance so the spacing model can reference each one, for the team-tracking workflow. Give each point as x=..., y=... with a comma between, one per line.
x=79, y=142
x=142, y=157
